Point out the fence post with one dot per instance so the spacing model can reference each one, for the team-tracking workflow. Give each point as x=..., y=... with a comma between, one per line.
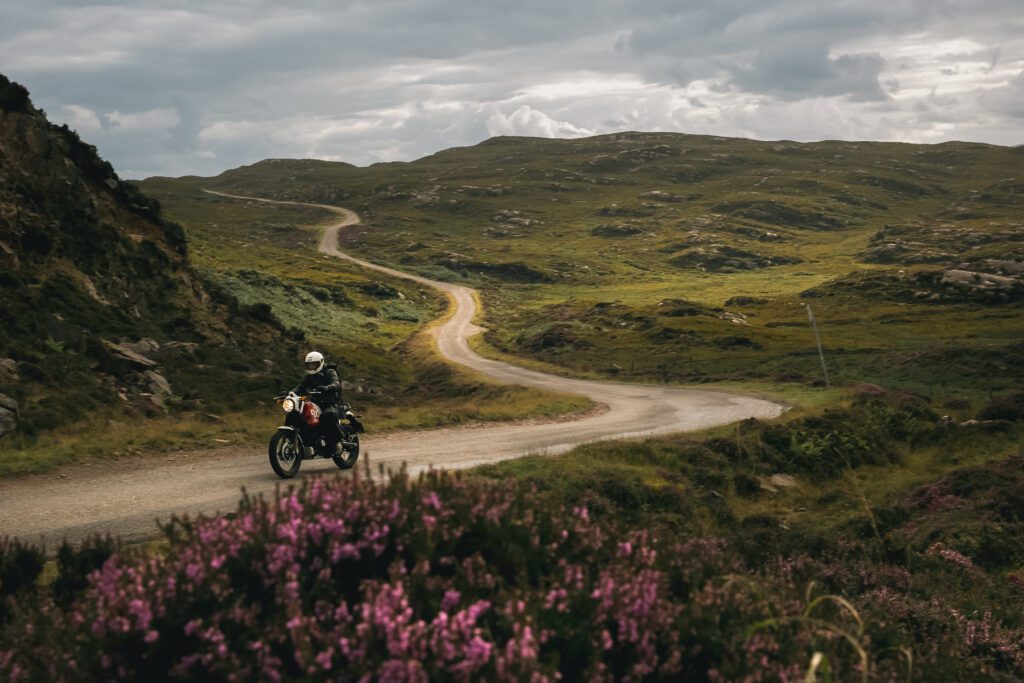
x=817, y=339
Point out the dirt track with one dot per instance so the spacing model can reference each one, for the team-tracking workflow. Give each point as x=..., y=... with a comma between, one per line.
x=126, y=497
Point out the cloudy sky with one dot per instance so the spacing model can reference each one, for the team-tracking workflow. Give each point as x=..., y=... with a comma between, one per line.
x=179, y=87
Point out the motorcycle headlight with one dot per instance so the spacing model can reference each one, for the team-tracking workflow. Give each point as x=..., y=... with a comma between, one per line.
x=288, y=405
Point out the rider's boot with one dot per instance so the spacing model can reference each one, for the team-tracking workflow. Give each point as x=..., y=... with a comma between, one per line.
x=339, y=436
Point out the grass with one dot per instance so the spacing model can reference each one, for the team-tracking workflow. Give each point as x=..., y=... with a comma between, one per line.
x=265, y=253
x=694, y=485
x=831, y=507
x=548, y=230
x=699, y=462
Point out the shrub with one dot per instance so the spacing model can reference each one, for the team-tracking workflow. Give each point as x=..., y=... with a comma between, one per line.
x=13, y=96
x=452, y=579
x=76, y=565
x=1006, y=407
x=440, y=579
x=20, y=566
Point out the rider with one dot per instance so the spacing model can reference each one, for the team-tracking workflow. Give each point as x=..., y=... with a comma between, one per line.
x=323, y=378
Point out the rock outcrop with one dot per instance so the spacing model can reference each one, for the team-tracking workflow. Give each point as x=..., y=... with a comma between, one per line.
x=616, y=230
x=8, y=415
x=983, y=286
x=928, y=286
x=721, y=258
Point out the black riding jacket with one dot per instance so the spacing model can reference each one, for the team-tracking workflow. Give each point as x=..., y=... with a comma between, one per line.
x=330, y=401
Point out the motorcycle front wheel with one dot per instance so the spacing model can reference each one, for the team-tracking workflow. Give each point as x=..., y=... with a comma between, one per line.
x=285, y=454
x=348, y=457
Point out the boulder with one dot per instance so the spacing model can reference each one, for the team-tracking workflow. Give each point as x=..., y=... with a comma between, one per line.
x=973, y=280
x=150, y=404
x=9, y=369
x=745, y=301
x=615, y=230
x=983, y=286
x=180, y=348
x=143, y=347
x=8, y=415
x=737, y=318
x=776, y=482
x=119, y=360
x=659, y=196
x=157, y=383
x=1005, y=267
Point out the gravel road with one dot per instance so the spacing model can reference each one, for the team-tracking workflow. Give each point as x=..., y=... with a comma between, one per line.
x=128, y=496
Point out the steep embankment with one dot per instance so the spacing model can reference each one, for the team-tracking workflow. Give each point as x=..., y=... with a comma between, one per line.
x=102, y=311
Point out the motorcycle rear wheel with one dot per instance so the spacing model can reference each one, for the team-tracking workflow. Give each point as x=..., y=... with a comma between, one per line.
x=285, y=454
x=347, y=459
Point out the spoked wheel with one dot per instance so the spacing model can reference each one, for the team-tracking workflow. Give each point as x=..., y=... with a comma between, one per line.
x=285, y=454
x=350, y=453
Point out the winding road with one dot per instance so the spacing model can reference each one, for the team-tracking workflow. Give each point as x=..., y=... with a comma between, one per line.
x=126, y=498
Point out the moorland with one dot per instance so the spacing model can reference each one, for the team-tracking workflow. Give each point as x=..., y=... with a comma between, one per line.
x=871, y=533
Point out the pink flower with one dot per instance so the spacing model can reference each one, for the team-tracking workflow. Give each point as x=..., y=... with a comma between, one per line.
x=450, y=600
x=432, y=501
x=939, y=550
x=478, y=651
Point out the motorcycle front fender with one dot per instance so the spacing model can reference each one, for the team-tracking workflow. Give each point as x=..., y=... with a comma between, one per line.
x=293, y=430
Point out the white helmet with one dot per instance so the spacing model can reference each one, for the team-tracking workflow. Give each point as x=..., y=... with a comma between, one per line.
x=314, y=362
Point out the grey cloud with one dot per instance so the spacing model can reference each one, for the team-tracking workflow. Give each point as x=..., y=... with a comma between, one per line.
x=739, y=26
x=797, y=71
x=1008, y=100
x=383, y=79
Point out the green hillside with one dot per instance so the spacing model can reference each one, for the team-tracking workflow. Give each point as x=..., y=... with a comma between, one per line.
x=672, y=257
x=103, y=314
x=124, y=333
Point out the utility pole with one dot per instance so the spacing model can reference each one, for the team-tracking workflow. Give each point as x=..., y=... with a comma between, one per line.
x=817, y=338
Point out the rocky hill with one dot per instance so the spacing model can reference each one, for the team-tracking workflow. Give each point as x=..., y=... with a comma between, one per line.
x=911, y=255
x=101, y=309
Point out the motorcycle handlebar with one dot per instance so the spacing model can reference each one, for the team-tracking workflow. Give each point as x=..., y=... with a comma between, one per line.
x=314, y=392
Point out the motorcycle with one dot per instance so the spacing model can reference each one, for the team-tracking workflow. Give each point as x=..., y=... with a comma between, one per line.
x=305, y=435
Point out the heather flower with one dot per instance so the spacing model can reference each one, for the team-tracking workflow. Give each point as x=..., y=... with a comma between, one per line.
x=939, y=550
x=453, y=580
